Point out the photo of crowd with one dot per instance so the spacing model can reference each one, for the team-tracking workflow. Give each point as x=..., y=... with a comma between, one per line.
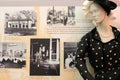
x=64, y=16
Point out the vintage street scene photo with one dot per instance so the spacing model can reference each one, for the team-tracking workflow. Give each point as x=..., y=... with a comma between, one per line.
x=20, y=23
x=45, y=57
x=12, y=55
x=62, y=15
x=69, y=54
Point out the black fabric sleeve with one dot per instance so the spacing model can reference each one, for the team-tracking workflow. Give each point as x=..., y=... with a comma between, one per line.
x=80, y=59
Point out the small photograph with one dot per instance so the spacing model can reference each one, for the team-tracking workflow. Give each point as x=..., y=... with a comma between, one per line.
x=70, y=49
x=20, y=23
x=45, y=57
x=12, y=55
x=62, y=15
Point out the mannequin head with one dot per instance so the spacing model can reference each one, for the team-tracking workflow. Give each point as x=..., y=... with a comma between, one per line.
x=98, y=10
x=98, y=14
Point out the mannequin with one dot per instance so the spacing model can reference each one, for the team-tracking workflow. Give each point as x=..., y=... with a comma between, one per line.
x=101, y=45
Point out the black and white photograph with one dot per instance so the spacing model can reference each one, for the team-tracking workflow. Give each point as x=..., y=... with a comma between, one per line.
x=62, y=15
x=12, y=55
x=45, y=57
x=20, y=23
x=69, y=54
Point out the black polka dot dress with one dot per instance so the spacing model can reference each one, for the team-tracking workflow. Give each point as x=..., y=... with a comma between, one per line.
x=104, y=57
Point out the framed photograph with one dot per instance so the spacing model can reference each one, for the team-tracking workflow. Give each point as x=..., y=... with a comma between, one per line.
x=45, y=57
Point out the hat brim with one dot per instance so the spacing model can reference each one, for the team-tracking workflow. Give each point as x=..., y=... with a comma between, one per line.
x=112, y=5
x=106, y=4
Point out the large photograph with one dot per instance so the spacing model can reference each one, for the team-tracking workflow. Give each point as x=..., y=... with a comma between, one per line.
x=20, y=23
x=45, y=57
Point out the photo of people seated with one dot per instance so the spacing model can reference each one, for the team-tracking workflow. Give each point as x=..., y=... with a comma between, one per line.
x=12, y=55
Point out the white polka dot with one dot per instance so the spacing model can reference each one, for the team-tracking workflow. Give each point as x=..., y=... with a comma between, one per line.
x=116, y=61
x=115, y=72
x=78, y=55
x=81, y=50
x=85, y=71
x=96, y=35
x=110, y=51
x=85, y=58
x=81, y=65
x=86, y=79
x=110, y=58
x=90, y=44
x=99, y=47
x=116, y=42
x=113, y=68
x=109, y=68
x=97, y=74
x=102, y=71
x=102, y=76
x=98, y=43
x=81, y=44
x=114, y=54
x=96, y=66
x=107, y=55
x=86, y=39
x=109, y=43
x=93, y=48
x=96, y=53
x=92, y=39
x=101, y=65
x=109, y=64
x=110, y=78
x=101, y=57
x=112, y=47
x=115, y=45
x=81, y=59
x=119, y=58
x=96, y=60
